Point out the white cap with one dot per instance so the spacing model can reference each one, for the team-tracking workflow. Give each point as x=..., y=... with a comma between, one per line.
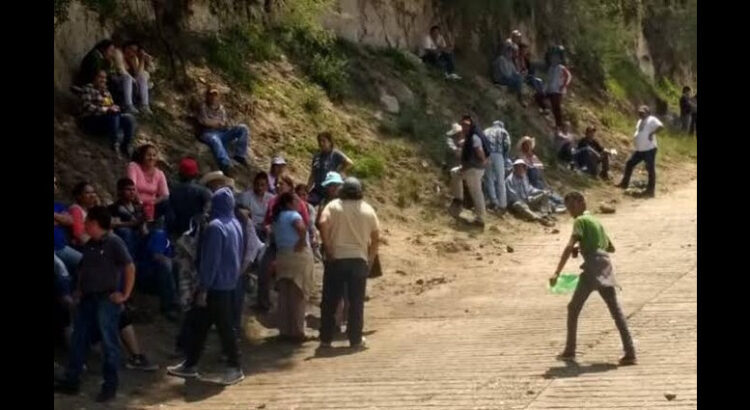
x=455, y=129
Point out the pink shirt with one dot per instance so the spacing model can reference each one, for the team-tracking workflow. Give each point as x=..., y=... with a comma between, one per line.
x=149, y=187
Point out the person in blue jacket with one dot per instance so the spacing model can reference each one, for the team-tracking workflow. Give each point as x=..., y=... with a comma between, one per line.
x=218, y=273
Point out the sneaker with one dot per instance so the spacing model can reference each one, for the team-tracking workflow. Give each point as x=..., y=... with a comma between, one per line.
x=106, y=394
x=140, y=362
x=454, y=76
x=146, y=110
x=131, y=110
x=324, y=345
x=566, y=356
x=628, y=360
x=183, y=371
x=455, y=209
x=362, y=345
x=478, y=223
x=232, y=375
x=561, y=209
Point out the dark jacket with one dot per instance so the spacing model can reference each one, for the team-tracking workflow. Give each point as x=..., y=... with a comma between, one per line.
x=186, y=200
x=469, y=158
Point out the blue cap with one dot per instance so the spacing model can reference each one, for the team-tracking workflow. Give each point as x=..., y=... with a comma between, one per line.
x=332, y=178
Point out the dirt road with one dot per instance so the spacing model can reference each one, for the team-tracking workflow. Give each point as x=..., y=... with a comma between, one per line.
x=487, y=340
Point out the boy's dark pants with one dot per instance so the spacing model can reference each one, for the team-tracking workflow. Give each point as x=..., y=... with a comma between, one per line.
x=218, y=311
x=609, y=294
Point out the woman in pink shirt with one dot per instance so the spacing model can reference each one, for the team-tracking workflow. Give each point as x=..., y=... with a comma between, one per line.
x=150, y=182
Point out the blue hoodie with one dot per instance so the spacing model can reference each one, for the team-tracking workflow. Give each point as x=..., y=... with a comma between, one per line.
x=221, y=245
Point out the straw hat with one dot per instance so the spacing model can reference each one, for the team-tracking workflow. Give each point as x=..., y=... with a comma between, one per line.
x=524, y=140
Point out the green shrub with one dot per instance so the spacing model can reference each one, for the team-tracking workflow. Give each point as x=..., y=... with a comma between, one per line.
x=370, y=166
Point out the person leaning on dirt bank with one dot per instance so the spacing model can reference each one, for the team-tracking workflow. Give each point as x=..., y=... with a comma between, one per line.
x=471, y=170
x=350, y=230
x=598, y=275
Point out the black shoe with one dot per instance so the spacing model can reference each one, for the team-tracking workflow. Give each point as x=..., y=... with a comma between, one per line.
x=106, y=394
x=628, y=360
x=241, y=160
x=67, y=387
x=140, y=362
x=566, y=356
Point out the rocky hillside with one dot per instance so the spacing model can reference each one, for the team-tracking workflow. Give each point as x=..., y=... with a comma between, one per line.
x=293, y=68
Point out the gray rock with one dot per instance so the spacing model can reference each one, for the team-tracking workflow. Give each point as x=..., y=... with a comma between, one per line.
x=390, y=103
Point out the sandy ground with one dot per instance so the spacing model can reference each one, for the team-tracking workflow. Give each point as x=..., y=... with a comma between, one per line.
x=467, y=324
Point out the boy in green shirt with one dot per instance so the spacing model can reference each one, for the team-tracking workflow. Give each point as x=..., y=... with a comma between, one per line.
x=598, y=275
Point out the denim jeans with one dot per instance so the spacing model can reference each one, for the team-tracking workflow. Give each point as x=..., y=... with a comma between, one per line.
x=640, y=156
x=494, y=180
x=513, y=83
x=128, y=83
x=132, y=240
x=71, y=258
x=440, y=59
x=111, y=124
x=339, y=276
x=62, y=277
x=95, y=313
x=218, y=140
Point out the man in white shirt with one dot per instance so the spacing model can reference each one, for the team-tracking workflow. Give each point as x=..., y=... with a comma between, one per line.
x=645, y=149
x=435, y=51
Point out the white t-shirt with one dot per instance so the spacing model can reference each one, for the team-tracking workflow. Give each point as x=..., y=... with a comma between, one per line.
x=643, y=129
x=429, y=44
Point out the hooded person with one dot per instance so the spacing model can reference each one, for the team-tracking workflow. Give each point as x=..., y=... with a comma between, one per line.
x=218, y=272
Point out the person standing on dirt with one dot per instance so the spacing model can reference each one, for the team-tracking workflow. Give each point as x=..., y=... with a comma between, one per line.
x=99, y=303
x=218, y=134
x=218, y=273
x=473, y=162
x=686, y=108
x=558, y=81
x=494, y=174
x=350, y=230
x=326, y=160
x=645, y=150
x=436, y=51
x=454, y=140
x=598, y=275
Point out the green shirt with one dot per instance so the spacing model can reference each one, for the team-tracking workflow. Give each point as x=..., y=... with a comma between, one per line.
x=590, y=233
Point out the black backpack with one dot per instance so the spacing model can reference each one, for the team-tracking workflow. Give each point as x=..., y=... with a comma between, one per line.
x=468, y=155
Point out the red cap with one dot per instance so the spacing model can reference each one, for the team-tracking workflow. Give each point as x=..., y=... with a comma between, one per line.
x=188, y=168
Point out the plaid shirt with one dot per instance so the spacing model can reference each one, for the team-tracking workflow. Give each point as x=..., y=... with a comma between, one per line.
x=95, y=101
